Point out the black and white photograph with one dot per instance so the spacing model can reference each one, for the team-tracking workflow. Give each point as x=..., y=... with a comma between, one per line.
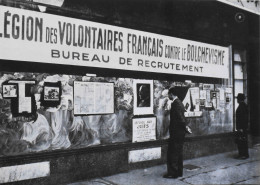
x=129, y=92
x=51, y=93
x=9, y=91
x=143, y=97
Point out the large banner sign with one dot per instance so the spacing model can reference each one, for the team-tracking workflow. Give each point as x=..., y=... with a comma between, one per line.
x=39, y=37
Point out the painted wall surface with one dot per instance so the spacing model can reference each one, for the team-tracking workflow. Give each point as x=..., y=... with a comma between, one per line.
x=24, y=172
x=54, y=128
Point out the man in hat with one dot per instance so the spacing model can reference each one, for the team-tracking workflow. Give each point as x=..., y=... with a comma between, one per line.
x=242, y=126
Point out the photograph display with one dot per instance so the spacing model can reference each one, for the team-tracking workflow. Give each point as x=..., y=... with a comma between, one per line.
x=93, y=98
x=143, y=97
x=9, y=91
x=144, y=129
x=51, y=94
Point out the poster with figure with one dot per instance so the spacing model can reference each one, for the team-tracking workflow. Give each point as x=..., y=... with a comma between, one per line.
x=9, y=91
x=143, y=97
x=144, y=129
x=51, y=94
x=193, y=101
x=93, y=98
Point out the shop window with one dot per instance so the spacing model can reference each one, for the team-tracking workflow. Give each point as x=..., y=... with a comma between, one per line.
x=57, y=125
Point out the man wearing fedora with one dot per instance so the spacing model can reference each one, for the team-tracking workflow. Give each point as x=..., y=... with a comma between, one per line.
x=241, y=127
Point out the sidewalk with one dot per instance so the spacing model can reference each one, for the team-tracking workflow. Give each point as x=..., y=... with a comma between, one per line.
x=216, y=169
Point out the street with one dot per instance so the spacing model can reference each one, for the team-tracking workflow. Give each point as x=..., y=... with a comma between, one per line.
x=216, y=169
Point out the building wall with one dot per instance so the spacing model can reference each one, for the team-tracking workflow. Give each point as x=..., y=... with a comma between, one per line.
x=212, y=23
x=80, y=164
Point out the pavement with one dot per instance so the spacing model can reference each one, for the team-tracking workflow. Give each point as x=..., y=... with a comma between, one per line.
x=215, y=169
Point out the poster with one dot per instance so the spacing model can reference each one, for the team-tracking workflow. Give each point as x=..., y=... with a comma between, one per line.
x=22, y=99
x=192, y=102
x=208, y=102
x=93, y=98
x=143, y=97
x=144, y=129
x=51, y=94
x=9, y=91
x=195, y=96
x=203, y=94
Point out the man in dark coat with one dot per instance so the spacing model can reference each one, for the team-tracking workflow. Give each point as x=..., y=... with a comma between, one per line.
x=177, y=134
x=242, y=126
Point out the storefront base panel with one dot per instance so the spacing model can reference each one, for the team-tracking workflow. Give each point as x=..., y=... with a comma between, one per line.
x=81, y=164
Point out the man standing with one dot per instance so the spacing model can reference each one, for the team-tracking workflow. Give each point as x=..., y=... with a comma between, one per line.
x=177, y=134
x=242, y=126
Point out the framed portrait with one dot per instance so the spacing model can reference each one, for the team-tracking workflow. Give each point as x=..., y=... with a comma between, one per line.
x=93, y=98
x=143, y=97
x=10, y=91
x=51, y=94
x=144, y=129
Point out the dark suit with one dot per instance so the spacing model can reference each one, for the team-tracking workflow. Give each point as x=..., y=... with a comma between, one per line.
x=242, y=124
x=176, y=141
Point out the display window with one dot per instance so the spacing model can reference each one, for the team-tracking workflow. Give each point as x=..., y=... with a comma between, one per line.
x=83, y=111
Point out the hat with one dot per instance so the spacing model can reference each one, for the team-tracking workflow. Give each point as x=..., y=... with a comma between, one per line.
x=240, y=96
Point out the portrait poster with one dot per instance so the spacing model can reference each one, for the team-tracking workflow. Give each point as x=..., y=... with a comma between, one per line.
x=143, y=97
x=51, y=94
x=144, y=129
x=93, y=98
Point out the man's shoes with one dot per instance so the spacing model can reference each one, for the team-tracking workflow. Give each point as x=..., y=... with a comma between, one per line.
x=167, y=176
x=244, y=157
x=241, y=157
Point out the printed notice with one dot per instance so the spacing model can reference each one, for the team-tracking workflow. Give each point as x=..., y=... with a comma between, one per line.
x=144, y=129
x=93, y=98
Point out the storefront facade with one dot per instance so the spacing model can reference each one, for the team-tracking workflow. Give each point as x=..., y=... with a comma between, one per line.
x=84, y=86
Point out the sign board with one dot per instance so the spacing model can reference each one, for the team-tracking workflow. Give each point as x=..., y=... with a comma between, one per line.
x=248, y=5
x=38, y=37
x=58, y=3
x=144, y=129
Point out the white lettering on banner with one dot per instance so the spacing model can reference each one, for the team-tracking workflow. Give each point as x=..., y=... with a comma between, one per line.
x=45, y=38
